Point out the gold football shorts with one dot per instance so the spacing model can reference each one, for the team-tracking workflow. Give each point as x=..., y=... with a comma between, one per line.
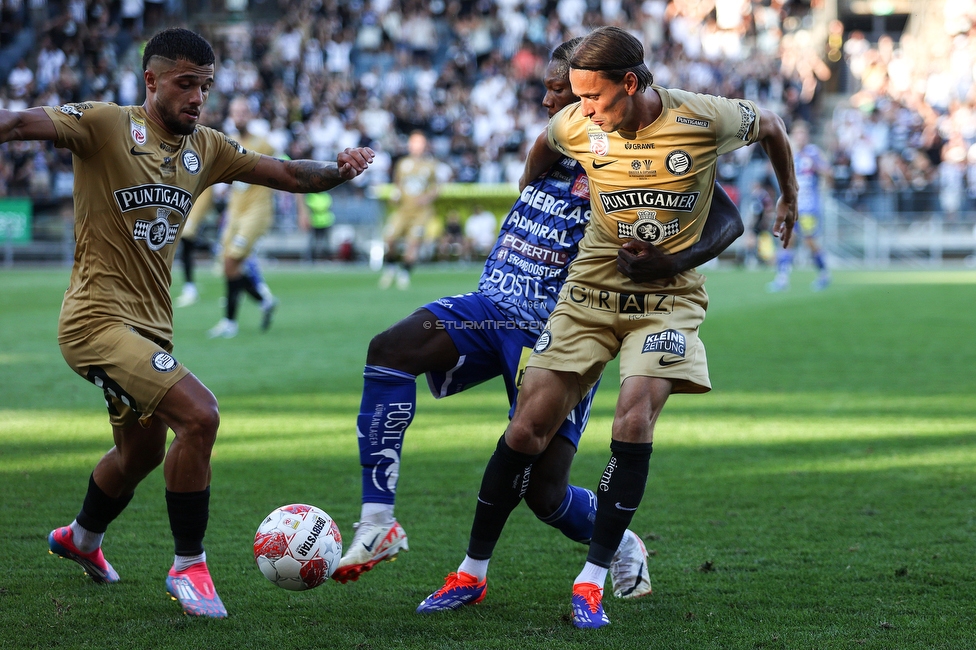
x=655, y=334
x=409, y=225
x=243, y=231
x=135, y=371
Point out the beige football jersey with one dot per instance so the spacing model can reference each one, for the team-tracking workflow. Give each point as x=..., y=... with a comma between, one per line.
x=134, y=186
x=247, y=197
x=654, y=185
x=414, y=177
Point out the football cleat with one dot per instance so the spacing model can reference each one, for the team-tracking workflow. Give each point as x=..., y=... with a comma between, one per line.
x=224, y=329
x=821, y=283
x=267, y=312
x=371, y=544
x=386, y=279
x=194, y=591
x=588, y=606
x=628, y=569
x=187, y=297
x=778, y=285
x=459, y=589
x=403, y=280
x=98, y=569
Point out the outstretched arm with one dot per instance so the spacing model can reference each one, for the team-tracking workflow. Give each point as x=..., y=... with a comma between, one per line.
x=644, y=262
x=31, y=124
x=538, y=161
x=309, y=175
x=776, y=143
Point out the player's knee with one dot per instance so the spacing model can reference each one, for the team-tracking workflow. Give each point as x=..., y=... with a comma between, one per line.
x=387, y=350
x=544, y=497
x=382, y=350
x=526, y=436
x=633, y=426
x=201, y=427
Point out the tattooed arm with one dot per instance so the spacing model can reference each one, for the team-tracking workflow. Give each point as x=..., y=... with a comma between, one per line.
x=309, y=175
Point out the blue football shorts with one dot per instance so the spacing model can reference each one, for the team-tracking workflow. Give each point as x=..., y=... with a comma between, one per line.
x=490, y=344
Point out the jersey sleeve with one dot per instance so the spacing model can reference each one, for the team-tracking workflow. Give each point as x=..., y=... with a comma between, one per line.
x=84, y=128
x=738, y=123
x=229, y=157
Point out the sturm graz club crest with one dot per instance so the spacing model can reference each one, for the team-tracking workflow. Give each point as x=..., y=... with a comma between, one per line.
x=545, y=340
x=158, y=232
x=678, y=162
x=163, y=362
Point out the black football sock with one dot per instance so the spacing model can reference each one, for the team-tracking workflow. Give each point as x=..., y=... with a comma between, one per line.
x=502, y=488
x=99, y=509
x=250, y=287
x=188, y=516
x=186, y=256
x=618, y=497
x=234, y=288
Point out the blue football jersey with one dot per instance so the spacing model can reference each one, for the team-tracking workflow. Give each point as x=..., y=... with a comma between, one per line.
x=539, y=238
x=810, y=163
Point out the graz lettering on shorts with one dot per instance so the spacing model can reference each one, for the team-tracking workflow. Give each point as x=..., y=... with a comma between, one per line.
x=666, y=342
x=165, y=196
x=622, y=303
x=544, y=202
x=662, y=199
x=533, y=252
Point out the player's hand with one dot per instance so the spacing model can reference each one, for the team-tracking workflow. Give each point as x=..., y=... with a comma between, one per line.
x=353, y=162
x=785, y=220
x=644, y=262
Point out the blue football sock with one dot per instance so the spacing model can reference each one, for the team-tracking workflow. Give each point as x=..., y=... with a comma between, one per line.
x=253, y=270
x=784, y=262
x=388, y=405
x=818, y=261
x=575, y=515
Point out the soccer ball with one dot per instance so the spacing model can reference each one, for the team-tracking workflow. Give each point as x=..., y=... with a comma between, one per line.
x=297, y=547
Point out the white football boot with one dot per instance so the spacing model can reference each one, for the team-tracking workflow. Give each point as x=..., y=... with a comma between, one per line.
x=628, y=569
x=371, y=544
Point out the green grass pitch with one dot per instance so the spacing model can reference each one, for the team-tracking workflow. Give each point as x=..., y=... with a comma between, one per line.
x=821, y=496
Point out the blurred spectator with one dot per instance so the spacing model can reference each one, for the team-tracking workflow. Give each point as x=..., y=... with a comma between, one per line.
x=481, y=231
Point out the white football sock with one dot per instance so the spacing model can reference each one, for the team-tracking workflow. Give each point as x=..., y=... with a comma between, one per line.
x=592, y=573
x=477, y=568
x=83, y=539
x=184, y=562
x=376, y=513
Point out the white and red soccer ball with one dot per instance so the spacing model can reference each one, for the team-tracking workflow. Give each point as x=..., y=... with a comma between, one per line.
x=297, y=547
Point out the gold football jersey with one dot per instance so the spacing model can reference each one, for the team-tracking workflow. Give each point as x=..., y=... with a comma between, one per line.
x=414, y=177
x=654, y=185
x=134, y=186
x=247, y=197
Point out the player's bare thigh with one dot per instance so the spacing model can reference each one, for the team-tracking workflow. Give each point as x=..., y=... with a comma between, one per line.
x=545, y=400
x=414, y=345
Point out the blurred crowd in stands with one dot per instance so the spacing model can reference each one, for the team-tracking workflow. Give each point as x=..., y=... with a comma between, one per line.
x=329, y=74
